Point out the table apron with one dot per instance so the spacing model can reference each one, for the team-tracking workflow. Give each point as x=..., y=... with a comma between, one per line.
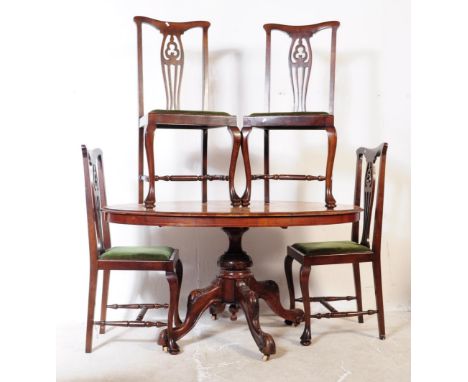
x=229, y=221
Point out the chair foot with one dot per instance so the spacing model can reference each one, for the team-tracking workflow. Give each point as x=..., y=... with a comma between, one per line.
x=306, y=337
x=382, y=336
x=288, y=322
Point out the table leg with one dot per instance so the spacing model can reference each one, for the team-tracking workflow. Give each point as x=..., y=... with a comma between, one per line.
x=199, y=300
x=248, y=301
x=269, y=291
x=236, y=286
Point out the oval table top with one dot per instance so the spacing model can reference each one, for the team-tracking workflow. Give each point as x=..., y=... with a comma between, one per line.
x=222, y=214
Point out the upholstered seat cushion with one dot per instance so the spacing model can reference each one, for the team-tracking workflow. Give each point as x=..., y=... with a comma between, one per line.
x=330, y=247
x=156, y=253
x=292, y=114
x=192, y=112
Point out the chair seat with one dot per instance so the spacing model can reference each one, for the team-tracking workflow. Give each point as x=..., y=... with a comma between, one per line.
x=298, y=114
x=330, y=247
x=191, y=112
x=154, y=253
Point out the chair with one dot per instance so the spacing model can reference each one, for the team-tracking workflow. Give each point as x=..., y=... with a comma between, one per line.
x=340, y=252
x=173, y=117
x=300, y=66
x=106, y=258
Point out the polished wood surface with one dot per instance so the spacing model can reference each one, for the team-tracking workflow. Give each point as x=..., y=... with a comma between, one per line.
x=235, y=284
x=222, y=214
x=100, y=241
x=300, y=59
x=368, y=189
x=172, y=59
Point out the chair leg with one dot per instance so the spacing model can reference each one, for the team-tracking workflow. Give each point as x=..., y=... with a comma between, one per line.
x=180, y=273
x=357, y=289
x=304, y=281
x=105, y=294
x=173, y=280
x=379, y=297
x=288, y=260
x=91, y=305
x=330, y=201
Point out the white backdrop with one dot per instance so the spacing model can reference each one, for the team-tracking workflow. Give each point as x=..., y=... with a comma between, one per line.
x=86, y=64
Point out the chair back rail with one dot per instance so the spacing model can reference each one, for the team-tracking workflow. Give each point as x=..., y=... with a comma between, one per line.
x=300, y=61
x=172, y=59
x=367, y=190
x=95, y=191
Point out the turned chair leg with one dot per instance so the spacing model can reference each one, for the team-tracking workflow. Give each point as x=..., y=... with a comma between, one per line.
x=288, y=260
x=357, y=288
x=105, y=294
x=91, y=305
x=180, y=273
x=304, y=281
x=379, y=297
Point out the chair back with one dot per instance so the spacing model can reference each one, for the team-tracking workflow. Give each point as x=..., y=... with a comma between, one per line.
x=300, y=60
x=95, y=191
x=172, y=59
x=369, y=194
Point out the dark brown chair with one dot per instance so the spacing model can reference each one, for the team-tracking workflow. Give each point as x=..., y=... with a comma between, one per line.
x=342, y=252
x=106, y=258
x=173, y=117
x=300, y=66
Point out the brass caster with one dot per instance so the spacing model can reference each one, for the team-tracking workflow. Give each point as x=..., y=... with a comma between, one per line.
x=214, y=317
x=265, y=357
x=165, y=349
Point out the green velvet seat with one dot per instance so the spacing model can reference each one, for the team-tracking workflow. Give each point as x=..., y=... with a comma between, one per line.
x=156, y=253
x=298, y=113
x=191, y=112
x=330, y=247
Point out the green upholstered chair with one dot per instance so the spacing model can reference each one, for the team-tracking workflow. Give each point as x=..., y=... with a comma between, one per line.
x=300, y=67
x=174, y=117
x=106, y=258
x=355, y=251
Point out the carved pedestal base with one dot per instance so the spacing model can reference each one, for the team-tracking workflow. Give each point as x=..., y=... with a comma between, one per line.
x=235, y=285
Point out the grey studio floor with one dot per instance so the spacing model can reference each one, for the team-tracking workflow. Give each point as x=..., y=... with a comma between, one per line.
x=223, y=350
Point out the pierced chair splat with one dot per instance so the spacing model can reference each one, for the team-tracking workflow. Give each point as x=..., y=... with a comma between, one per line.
x=172, y=59
x=300, y=67
x=104, y=257
x=353, y=252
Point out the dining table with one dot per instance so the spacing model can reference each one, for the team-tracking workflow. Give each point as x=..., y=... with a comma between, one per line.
x=235, y=283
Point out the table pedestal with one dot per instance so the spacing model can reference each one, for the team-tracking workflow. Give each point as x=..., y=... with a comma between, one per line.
x=235, y=285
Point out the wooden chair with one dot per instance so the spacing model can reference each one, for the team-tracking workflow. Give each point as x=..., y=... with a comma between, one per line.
x=106, y=258
x=300, y=66
x=173, y=117
x=340, y=252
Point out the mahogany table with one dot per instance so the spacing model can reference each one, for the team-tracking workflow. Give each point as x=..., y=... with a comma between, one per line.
x=235, y=283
